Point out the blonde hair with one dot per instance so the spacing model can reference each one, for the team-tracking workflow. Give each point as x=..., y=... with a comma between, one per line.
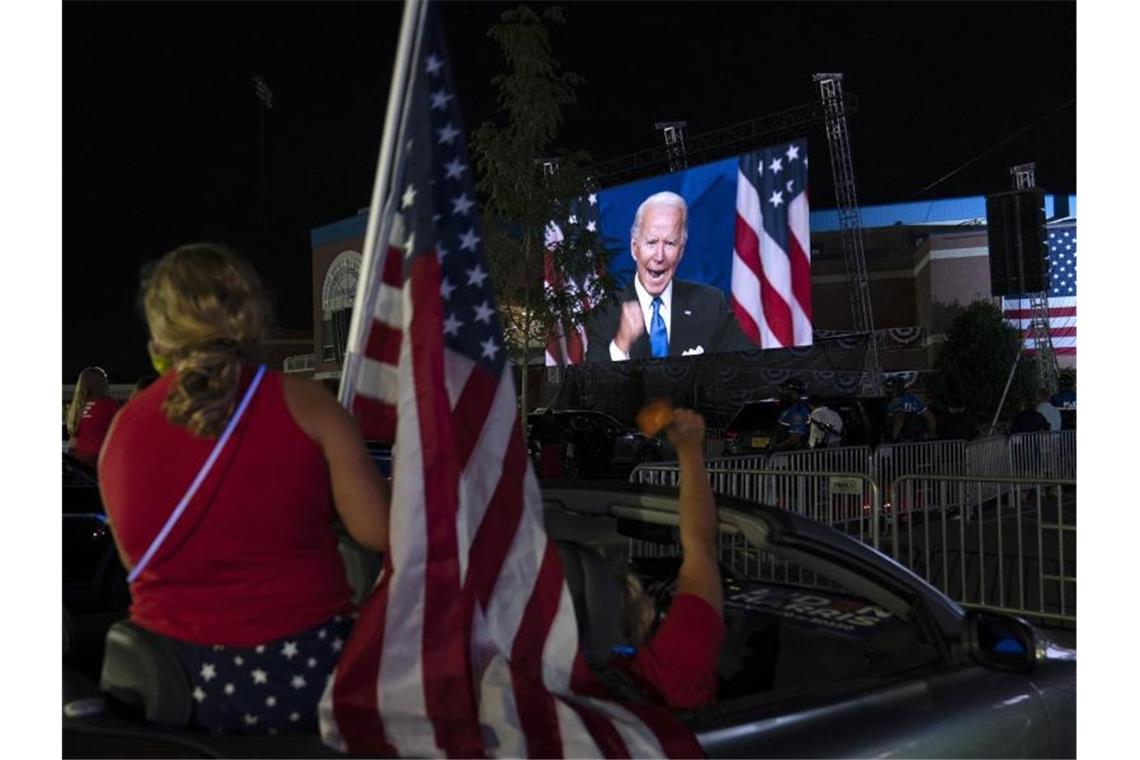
x=207, y=315
x=91, y=385
x=638, y=610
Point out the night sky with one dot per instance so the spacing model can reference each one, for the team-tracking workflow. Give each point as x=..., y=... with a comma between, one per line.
x=161, y=124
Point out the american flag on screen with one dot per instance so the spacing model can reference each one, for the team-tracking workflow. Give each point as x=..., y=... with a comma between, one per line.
x=468, y=644
x=567, y=344
x=771, y=258
x=1061, y=242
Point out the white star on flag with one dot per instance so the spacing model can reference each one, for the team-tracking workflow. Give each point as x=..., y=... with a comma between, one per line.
x=793, y=152
x=250, y=720
x=337, y=643
x=483, y=313
x=445, y=289
x=777, y=165
x=789, y=185
x=311, y=662
x=573, y=219
x=239, y=660
x=199, y=695
x=777, y=198
x=447, y=134
x=260, y=676
x=591, y=226
x=593, y=197
x=410, y=244
x=450, y=327
x=228, y=688
x=476, y=276
x=434, y=64
x=270, y=701
x=409, y=197
x=297, y=682
x=461, y=205
x=289, y=651
x=294, y=717
x=440, y=252
x=455, y=168
x=260, y=649
x=439, y=100
x=469, y=240
x=490, y=348
x=208, y=672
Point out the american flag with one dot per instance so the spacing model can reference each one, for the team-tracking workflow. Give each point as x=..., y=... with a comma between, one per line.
x=468, y=644
x=771, y=258
x=1061, y=242
x=568, y=343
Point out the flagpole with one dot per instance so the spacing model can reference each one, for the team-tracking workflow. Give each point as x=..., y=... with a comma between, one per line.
x=380, y=213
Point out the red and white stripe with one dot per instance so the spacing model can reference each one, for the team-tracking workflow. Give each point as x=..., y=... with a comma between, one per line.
x=468, y=645
x=771, y=287
x=1062, y=321
x=374, y=401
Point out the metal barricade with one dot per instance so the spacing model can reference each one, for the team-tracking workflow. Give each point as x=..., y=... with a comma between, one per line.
x=1013, y=551
x=987, y=458
x=1044, y=455
x=921, y=458
x=714, y=443
x=848, y=501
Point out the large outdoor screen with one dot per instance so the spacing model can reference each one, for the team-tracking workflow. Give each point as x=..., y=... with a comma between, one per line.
x=710, y=259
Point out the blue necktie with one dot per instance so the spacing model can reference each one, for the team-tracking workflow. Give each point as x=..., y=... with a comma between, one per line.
x=658, y=338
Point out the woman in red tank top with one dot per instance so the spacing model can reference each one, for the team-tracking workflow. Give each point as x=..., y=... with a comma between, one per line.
x=248, y=586
x=89, y=415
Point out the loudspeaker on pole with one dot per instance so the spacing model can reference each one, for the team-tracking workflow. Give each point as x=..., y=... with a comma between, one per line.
x=1019, y=260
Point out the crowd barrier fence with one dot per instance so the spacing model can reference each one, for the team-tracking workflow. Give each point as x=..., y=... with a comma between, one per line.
x=1000, y=543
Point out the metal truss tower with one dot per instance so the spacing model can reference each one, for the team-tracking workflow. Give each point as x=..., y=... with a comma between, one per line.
x=674, y=134
x=839, y=141
x=1024, y=178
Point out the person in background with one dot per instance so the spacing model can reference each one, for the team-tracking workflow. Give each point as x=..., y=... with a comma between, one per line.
x=1066, y=401
x=956, y=424
x=825, y=428
x=89, y=415
x=249, y=587
x=794, y=421
x=1046, y=409
x=1029, y=420
x=676, y=664
x=910, y=418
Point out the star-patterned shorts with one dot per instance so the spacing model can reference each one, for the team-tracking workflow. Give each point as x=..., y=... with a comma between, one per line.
x=272, y=688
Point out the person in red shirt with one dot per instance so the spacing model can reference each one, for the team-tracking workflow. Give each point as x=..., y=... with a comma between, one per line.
x=676, y=665
x=90, y=414
x=248, y=586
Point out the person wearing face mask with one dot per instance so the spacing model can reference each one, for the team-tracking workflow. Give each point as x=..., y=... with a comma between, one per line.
x=658, y=315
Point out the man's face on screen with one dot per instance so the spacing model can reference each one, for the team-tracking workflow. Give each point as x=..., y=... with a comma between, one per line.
x=658, y=246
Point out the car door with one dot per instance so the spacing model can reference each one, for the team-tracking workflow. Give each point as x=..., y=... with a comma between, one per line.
x=826, y=657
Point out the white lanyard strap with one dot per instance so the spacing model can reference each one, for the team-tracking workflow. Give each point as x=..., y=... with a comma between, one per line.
x=177, y=513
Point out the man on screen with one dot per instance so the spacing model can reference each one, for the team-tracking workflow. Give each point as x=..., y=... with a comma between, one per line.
x=657, y=315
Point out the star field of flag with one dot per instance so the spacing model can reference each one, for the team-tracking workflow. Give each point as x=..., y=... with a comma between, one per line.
x=438, y=203
x=779, y=174
x=1062, y=246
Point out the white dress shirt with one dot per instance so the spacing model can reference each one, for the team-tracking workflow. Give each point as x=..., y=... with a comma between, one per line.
x=646, y=301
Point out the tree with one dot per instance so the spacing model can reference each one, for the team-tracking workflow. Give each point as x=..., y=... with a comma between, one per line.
x=522, y=197
x=973, y=364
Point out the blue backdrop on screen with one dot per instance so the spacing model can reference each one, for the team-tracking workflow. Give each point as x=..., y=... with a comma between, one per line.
x=710, y=191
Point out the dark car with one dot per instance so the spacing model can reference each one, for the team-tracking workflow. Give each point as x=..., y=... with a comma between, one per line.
x=832, y=649
x=755, y=427
x=596, y=445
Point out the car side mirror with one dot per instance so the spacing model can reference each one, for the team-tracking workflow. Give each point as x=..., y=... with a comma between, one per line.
x=1001, y=641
